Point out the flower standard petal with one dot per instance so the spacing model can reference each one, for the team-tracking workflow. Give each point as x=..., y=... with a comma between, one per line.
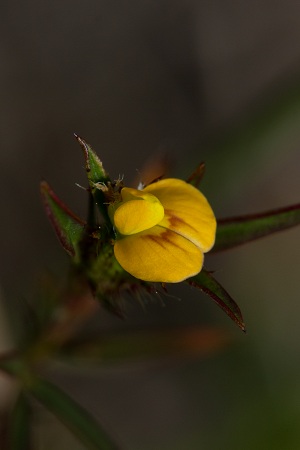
x=187, y=212
x=158, y=255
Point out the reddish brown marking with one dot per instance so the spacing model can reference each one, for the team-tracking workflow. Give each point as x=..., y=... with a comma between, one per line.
x=162, y=238
x=175, y=221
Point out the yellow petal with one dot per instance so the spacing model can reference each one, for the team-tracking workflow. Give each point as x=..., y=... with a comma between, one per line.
x=158, y=255
x=137, y=212
x=187, y=212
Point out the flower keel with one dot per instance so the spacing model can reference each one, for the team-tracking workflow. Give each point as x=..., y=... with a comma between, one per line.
x=138, y=212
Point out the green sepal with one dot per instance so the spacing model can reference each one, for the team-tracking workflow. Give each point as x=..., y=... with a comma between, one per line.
x=207, y=283
x=67, y=226
x=97, y=177
x=235, y=231
x=93, y=165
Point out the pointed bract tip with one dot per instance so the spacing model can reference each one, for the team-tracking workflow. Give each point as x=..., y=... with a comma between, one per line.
x=196, y=177
x=78, y=137
x=44, y=186
x=80, y=140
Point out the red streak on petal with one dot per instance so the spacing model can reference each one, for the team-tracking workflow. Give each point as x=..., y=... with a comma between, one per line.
x=162, y=239
x=175, y=221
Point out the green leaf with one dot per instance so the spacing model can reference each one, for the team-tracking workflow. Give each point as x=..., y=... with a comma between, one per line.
x=19, y=424
x=69, y=412
x=239, y=230
x=68, y=227
x=74, y=416
x=206, y=282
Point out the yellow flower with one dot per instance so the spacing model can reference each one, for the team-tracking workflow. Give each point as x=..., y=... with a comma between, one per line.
x=162, y=230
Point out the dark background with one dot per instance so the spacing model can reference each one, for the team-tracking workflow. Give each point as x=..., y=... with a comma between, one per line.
x=209, y=80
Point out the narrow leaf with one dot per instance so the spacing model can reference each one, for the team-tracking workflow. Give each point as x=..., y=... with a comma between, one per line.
x=74, y=416
x=68, y=227
x=19, y=425
x=206, y=282
x=235, y=231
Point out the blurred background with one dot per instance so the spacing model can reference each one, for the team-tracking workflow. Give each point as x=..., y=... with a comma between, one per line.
x=198, y=81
